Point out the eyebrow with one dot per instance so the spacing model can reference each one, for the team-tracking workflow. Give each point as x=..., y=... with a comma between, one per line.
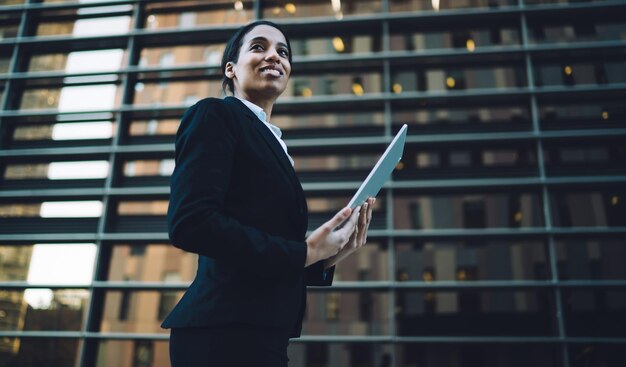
x=261, y=38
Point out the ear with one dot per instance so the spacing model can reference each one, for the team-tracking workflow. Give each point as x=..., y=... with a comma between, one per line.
x=229, y=71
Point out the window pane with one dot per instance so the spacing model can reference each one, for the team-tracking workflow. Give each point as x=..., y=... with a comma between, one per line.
x=133, y=353
x=160, y=16
x=140, y=216
x=151, y=263
x=591, y=259
x=182, y=55
x=347, y=313
x=43, y=309
x=469, y=39
x=356, y=84
x=339, y=124
x=583, y=157
x=58, y=352
x=165, y=93
x=50, y=217
x=589, y=208
x=331, y=167
x=602, y=28
x=467, y=261
x=468, y=211
x=596, y=312
x=369, y=263
x=455, y=355
x=339, y=355
x=87, y=27
x=436, y=5
x=584, y=355
x=73, y=98
x=322, y=209
x=319, y=8
x=471, y=312
x=607, y=113
x=609, y=70
x=336, y=44
x=78, y=61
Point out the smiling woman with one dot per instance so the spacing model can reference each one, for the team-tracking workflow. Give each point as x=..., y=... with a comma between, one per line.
x=236, y=201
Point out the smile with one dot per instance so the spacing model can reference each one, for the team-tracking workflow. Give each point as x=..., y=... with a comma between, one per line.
x=271, y=70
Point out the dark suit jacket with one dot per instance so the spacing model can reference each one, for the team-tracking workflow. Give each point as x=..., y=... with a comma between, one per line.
x=236, y=201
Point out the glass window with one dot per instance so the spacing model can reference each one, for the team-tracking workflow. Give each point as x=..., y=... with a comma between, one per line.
x=585, y=354
x=470, y=261
x=356, y=84
x=468, y=211
x=609, y=112
x=140, y=216
x=86, y=27
x=210, y=55
x=595, y=312
x=153, y=127
x=347, y=313
x=193, y=14
x=4, y=63
x=369, y=263
x=318, y=354
x=43, y=309
x=151, y=263
x=11, y=2
x=78, y=61
x=577, y=157
x=574, y=72
x=322, y=209
x=324, y=124
x=139, y=168
x=132, y=353
x=456, y=355
x=175, y=93
x=591, y=208
x=9, y=27
x=73, y=98
x=439, y=313
x=591, y=259
x=334, y=167
x=336, y=44
x=62, y=352
x=53, y=209
x=135, y=311
x=57, y=170
x=319, y=8
x=62, y=133
x=592, y=28
x=469, y=39
x=437, y=5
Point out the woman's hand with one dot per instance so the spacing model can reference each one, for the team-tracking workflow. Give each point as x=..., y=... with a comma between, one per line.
x=327, y=240
x=359, y=236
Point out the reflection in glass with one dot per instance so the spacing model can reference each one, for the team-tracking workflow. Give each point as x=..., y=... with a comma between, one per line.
x=590, y=29
x=334, y=84
x=58, y=352
x=165, y=93
x=472, y=312
x=4, y=64
x=86, y=27
x=340, y=354
x=585, y=354
x=468, y=211
x=154, y=207
x=591, y=259
x=78, y=61
x=347, y=313
x=339, y=44
x=469, y=261
x=210, y=55
x=58, y=170
x=227, y=13
x=469, y=39
x=73, y=98
x=595, y=312
x=437, y=5
x=321, y=209
x=334, y=167
x=589, y=208
x=453, y=355
x=582, y=114
x=8, y=31
x=329, y=124
x=575, y=158
x=137, y=311
x=133, y=353
x=53, y=209
x=573, y=72
x=138, y=168
x=153, y=127
x=320, y=8
x=369, y=263
x=74, y=131
x=153, y=263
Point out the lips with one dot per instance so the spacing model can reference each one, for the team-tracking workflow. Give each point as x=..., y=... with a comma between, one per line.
x=271, y=70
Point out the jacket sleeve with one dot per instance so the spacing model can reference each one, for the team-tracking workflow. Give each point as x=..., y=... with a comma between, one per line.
x=205, y=147
x=315, y=275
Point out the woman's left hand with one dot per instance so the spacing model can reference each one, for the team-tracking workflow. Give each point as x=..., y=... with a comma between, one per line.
x=359, y=236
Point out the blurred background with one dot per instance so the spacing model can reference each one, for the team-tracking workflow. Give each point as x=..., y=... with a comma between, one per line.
x=500, y=240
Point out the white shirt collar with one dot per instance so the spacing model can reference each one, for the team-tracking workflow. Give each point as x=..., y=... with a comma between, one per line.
x=258, y=111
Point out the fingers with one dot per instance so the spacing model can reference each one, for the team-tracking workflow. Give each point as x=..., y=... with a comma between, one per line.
x=339, y=218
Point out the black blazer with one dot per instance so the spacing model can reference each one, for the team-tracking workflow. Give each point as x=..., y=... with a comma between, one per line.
x=236, y=201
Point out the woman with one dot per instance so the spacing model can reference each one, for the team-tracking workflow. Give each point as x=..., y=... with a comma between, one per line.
x=236, y=201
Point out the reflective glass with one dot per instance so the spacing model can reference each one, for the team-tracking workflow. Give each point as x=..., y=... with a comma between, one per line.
x=210, y=55
x=369, y=263
x=58, y=352
x=470, y=39
x=334, y=167
x=140, y=216
x=469, y=261
x=86, y=27
x=326, y=354
x=335, y=45
x=144, y=128
x=63, y=133
x=43, y=309
x=78, y=170
x=437, y=5
x=322, y=209
x=356, y=84
x=138, y=168
x=595, y=312
x=589, y=29
x=151, y=263
x=4, y=64
x=330, y=124
x=159, y=17
x=319, y=8
x=52, y=209
x=472, y=312
x=593, y=208
x=347, y=313
x=73, y=98
x=607, y=355
x=11, y=2
x=456, y=78
x=609, y=112
x=468, y=211
x=175, y=93
x=137, y=311
x=591, y=259
x=574, y=72
x=133, y=353
x=458, y=355
x=8, y=30
x=78, y=61
x=582, y=157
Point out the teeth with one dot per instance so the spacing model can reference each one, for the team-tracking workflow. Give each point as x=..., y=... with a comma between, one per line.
x=273, y=72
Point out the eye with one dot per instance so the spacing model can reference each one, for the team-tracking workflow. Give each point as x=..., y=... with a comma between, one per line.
x=256, y=47
x=283, y=52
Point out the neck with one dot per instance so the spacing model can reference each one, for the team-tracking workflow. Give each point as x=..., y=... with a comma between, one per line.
x=265, y=104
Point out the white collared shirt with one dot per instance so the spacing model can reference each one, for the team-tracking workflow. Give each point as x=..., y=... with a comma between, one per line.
x=258, y=112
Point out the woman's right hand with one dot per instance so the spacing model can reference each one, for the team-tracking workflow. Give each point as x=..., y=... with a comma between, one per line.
x=327, y=240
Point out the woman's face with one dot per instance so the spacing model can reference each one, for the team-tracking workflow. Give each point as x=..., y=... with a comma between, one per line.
x=263, y=68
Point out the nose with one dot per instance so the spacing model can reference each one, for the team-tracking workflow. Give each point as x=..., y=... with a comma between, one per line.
x=272, y=55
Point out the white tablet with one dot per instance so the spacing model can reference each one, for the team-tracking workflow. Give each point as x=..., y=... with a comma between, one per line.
x=382, y=170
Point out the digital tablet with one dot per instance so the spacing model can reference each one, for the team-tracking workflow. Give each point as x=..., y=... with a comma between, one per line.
x=382, y=170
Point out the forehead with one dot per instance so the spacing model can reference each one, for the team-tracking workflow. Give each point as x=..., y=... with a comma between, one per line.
x=265, y=31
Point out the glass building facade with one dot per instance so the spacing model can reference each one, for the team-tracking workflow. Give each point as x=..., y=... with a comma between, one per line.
x=499, y=241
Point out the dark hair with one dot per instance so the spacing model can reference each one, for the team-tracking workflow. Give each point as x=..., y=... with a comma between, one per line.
x=231, y=52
